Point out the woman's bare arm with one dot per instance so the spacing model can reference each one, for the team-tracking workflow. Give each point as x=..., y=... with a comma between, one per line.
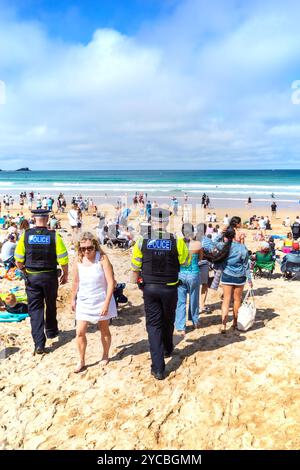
x=75, y=284
x=110, y=279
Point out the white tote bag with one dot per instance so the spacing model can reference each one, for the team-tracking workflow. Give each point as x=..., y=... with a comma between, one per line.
x=246, y=313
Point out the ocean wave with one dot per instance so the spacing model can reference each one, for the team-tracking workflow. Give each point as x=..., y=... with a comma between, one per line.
x=183, y=186
x=152, y=188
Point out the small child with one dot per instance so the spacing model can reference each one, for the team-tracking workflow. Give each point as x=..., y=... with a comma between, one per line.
x=11, y=305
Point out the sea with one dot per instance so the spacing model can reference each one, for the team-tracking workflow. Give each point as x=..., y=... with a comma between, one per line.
x=260, y=185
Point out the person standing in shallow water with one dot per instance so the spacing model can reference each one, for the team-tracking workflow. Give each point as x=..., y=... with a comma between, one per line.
x=92, y=295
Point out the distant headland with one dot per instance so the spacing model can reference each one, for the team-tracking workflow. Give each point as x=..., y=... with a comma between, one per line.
x=23, y=169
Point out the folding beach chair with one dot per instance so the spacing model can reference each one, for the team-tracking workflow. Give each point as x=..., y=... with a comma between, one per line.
x=264, y=262
x=291, y=270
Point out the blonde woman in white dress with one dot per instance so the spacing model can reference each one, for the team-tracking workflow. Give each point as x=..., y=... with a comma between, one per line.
x=92, y=295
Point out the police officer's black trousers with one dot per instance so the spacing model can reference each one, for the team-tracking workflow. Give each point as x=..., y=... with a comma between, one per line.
x=42, y=288
x=160, y=306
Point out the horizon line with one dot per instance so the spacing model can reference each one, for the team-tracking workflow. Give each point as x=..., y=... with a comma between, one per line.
x=158, y=169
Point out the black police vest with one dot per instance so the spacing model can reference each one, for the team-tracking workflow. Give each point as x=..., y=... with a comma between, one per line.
x=160, y=260
x=40, y=249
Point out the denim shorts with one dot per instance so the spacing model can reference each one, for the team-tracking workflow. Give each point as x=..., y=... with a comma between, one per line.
x=233, y=280
x=204, y=270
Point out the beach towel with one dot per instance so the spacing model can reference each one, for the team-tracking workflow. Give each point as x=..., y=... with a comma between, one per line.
x=14, y=289
x=13, y=274
x=19, y=297
x=6, y=317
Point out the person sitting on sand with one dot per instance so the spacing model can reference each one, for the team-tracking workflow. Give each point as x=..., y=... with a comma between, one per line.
x=92, y=295
x=259, y=236
x=11, y=305
x=287, y=243
x=292, y=257
x=8, y=251
x=53, y=223
x=253, y=223
x=296, y=228
x=127, y=235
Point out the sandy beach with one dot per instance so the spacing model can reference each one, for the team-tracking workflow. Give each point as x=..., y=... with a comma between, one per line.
x=108, y=110
x=233, y=391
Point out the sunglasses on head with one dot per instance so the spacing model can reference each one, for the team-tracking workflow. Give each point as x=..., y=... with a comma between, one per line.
x=86, y=248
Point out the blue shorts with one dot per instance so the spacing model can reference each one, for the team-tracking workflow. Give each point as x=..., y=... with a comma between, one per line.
x=228, y=280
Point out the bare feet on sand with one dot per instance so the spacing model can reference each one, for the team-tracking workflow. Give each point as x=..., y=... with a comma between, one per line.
x=104, y=361
x=80, y=367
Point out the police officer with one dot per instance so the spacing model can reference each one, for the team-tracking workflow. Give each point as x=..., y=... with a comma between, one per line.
x=38, y=253
x=157, y=257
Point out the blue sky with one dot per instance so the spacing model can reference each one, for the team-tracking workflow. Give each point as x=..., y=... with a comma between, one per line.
x=77, y=20
x=149, y=84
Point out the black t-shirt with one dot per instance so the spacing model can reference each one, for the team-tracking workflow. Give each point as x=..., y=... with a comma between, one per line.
x=18, y=308
x=296, y=228
x=274, y=207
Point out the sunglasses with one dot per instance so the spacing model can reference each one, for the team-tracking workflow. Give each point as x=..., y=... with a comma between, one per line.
x=86, y=248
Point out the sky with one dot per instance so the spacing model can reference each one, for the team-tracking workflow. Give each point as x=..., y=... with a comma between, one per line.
x=149, y=84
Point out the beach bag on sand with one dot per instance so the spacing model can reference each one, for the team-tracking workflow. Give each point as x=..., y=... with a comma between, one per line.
x=246, y=313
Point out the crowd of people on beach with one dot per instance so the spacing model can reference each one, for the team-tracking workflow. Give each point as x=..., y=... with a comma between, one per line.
x=216, y=254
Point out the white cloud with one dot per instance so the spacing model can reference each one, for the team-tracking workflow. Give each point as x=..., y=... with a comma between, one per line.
x=211, y=86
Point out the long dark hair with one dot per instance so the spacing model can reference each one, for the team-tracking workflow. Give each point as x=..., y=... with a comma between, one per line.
x=235, y=221
x=229, y=234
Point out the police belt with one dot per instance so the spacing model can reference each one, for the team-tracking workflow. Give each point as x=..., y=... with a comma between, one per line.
x=34, y=271
x=142, y=284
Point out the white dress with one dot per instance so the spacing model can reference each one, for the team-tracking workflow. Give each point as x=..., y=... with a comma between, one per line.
x=92, y=293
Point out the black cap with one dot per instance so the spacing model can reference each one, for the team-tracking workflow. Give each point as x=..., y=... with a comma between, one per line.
x=40, y=212
x=160, y=215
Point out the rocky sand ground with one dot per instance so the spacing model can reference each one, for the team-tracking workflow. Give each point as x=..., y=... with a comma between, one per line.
x=233, y=391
